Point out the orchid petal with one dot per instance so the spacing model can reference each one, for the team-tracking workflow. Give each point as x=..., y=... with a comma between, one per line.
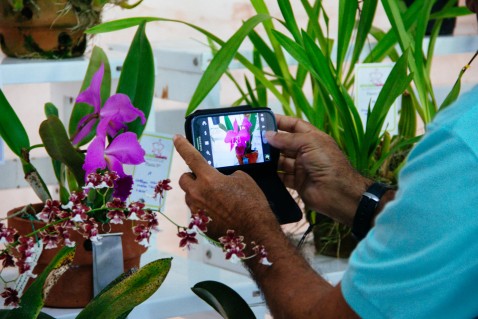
x=85, y=126
x=119, y=110
x=115, y=164
x=230, y=138
x=126, y=148
x=244, y=135
x=123, y=187
x=92, y=95
x=95, y=156
x=246, y=124
x=236, y=127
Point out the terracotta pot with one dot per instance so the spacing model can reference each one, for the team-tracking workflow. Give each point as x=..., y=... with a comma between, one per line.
x=39, y=31
x=251, y=157
x=75, y=288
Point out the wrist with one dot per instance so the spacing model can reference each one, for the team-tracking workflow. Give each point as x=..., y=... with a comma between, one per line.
x=369, y=205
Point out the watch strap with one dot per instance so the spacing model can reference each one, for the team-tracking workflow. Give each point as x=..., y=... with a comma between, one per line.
x=366, y=209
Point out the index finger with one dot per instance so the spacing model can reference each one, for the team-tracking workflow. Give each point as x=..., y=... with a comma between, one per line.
x=293, y=124
x=191, y=156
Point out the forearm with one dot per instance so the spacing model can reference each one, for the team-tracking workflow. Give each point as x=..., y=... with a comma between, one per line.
x=292, y=289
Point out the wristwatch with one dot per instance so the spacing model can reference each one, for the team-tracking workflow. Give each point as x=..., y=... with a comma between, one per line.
x=366, y=209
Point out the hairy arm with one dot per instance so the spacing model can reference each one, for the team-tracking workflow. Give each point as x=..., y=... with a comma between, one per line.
x=291, y=287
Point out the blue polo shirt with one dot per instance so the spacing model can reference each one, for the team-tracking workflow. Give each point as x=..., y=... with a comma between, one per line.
x=421, y=258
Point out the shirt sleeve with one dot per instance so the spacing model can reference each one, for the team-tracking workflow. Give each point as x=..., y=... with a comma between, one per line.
x=421, y=258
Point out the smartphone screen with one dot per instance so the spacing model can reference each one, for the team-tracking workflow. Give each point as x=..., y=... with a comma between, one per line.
x=234, y=138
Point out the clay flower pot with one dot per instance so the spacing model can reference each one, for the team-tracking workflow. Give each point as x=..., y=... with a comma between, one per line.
x=75, y=287
x=45, y=29
x=249, y=158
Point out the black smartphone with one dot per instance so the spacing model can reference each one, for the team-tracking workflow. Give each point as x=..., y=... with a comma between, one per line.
x=234, y=138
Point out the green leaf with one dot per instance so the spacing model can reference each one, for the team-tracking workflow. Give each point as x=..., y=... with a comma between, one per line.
x=221, y=60
x=51, y=109
x=365, y=24
x=33, y=298
x=289, y=19
x=347, y=12
x=11, y=128
x=80, y=110
x=127, y=291
x=407, y=125
x=137, y=77
x=228, y=303
x=121, y=24
x=394, y=86
x=35, y=181
x=59, y=147
x=452, y=12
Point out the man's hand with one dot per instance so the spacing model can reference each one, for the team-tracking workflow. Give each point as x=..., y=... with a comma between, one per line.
x=312, y=164
x=232, y=202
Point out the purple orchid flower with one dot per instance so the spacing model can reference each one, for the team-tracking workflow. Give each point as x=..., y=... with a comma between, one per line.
x=117, y=109
x=239, y=137
x=124, y=149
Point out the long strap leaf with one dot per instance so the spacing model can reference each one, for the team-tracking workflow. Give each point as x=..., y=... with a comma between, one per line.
x=137, y=76
x=127, y=291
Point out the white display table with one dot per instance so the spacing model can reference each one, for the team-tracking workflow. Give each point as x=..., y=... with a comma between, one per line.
x=175, y=299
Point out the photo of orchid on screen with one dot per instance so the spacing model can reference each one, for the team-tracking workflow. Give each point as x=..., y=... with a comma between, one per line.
x=235, y=140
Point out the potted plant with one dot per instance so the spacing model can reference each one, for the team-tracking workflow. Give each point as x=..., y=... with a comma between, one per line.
x=50, y=29
x=240, y=138
x=93, y=187
x=320, y=88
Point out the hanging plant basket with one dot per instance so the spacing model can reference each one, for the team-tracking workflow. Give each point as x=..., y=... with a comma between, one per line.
x=45, y=29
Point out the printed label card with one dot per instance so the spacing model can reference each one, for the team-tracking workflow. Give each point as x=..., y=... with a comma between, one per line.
x=157, y=166
x=369, y=80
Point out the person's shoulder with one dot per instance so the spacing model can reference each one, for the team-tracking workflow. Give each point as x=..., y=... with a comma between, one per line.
x=461, y=118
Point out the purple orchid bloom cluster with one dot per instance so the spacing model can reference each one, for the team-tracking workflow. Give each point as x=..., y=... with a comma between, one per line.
x=110, y=121
x=239, y=137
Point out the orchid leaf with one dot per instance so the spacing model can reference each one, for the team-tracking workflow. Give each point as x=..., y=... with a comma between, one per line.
x=11, y=128
x=221, y=60
x=35, y=181
x=347, y=12
x=51, y=109
x=15, y=136
x=59, y=147
x=394, y=86
x=137, y=77
x=80, y=110
x=407, y=125
x=121, y=24
x=33, y=298
x=115, y=300
x=228, y=303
